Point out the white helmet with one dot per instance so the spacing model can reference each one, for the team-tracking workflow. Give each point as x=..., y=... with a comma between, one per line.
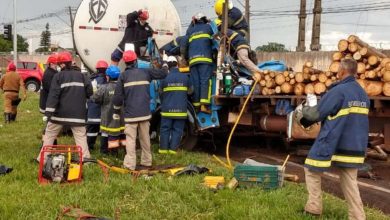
x=172, y=59
x=199, y=16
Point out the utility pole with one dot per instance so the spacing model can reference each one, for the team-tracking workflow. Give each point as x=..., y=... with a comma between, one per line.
x=15, y=37
x=71, y=25
x=302, y=28
x=316, y=31
x=247, y=18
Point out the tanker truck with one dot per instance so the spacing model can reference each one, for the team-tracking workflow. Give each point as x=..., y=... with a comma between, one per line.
x=99, y=26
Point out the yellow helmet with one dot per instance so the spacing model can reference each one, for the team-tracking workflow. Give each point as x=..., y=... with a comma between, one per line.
x=218, y=22
x=219, y=6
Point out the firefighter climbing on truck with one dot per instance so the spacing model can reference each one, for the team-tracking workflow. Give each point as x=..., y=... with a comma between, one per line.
x=236, y=20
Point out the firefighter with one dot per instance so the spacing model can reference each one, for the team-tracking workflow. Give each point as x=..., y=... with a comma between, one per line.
x=239, y=48
x=137, y=32
x=11, y=83
x=342, y=141
x=66, y=104
x=48, y=75
x=133, y=93
x=175, y=47
x=93, y=120
x=112, y=130
x=200, y=55
x=236, y=20
x=173, y=108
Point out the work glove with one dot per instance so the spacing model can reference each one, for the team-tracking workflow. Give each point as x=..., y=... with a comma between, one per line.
x=311, y=100
x=116, y=116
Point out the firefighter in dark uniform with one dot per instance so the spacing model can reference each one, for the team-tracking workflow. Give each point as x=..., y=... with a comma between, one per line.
x=236, y=20
x=342, y=141
x=11, y=83
x=200, y=55
x=133, y=93
x=137, y=32
x=93, y=120
x=173, y=108
x=175, y=47
x=48, y=75
x=66, y=104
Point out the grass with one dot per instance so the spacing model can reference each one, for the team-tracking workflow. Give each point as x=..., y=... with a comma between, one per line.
x=162, y=197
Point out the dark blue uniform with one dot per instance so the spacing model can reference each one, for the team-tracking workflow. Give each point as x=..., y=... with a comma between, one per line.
x=173, y=109
x=343, y=138
x=93, y=120
x=236, y=42
x=200, y=60
x=237, y=22
x=173, y=48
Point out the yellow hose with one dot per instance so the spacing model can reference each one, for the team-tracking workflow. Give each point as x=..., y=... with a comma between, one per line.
x=229, y=165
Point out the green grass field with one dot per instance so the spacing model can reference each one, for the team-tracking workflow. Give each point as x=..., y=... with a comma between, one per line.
x=162, y=197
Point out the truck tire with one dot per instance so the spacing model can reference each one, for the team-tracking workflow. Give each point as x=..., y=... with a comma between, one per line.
x=189, y=139
x=32, y=85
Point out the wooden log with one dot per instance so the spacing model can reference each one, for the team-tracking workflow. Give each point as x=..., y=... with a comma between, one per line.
x=373, y=88
x=292, y=81
x=306, y=76
x=386, y=76
x=362, y=83
x=373, y=60
x=272, y=74
x=357, y=56
x=309, y=89
x=278, y=90
x=314, y=77
x=287, y=88
x=387, y=67
x=362, y=76
x=267, y=77
x=288, y=79
x=285, y=73
x=370, y=51
x=357, y=40
x=343, y=45
x=380, y=73
x=348, y=56
x=308, y=64
x=280, y=79
x=368, y=67
x=361, y=68
x=306, y=70
x=271, y=92
x=384, y=61
x=299, y=89
x=334, y=67
x=334, y=78
x=371, y=74
x=353, y=47
x=328, y=74
x=386, y=89
x=270, y=84
x=299, y=77
x=266, y=72
x=337, y=56
x=262, y=82
x=291, y=75
x=328, y=82
x=322, y=77
x=319, y=88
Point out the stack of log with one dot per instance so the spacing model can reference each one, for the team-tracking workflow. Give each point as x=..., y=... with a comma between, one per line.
x=309, y=81
x=373, y=66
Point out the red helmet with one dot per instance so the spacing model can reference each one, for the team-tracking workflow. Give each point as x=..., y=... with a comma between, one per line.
x=101, y=64
x=53, y=58
x=129, y=56
x=11, y=66
x=64, y=57
x=143, y=15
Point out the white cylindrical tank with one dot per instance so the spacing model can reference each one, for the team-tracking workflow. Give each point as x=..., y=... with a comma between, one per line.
x=99, y=25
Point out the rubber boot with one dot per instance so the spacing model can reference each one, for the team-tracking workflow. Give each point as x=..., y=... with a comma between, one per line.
x=13, y=117
x=6, y=118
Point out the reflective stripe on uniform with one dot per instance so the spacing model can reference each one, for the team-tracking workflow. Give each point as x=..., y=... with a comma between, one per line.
x=92, y=134
x=201, y=59
x=50, y=109
x=233, y=36
x=117, y=107
x=242, y=46
x=138, y=83
x=347, y=159
x=174, y=114
x=143, y=118
x=175, y=43
x=318, y=163
x=196, y=104
x=79, y=84
x=208, y=100
x=239, y=20
x=41, y=110
x=93, y=120
x=175, y=88
x=74, y=120
x=351, y=110
x=198, y=36
x=103, y=128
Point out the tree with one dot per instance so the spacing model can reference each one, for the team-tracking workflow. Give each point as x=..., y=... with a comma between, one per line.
x=45, y=39
x=7, y=46
x=272, y=47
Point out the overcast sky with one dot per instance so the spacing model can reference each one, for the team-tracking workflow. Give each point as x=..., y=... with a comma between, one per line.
x=372, y=26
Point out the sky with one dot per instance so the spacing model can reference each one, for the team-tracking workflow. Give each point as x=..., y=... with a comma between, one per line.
x=271, y=20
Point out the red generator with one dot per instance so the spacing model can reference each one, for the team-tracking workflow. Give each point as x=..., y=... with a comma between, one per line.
x=60, y=164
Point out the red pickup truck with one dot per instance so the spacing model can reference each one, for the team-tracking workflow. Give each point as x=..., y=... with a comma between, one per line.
x=31, y=73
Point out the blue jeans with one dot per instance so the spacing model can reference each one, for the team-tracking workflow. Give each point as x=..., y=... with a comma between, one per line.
x=200, y=83
x=171, y=131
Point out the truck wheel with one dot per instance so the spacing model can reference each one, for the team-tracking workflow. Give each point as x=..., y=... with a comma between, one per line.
x=32, y=85
x=189, y=139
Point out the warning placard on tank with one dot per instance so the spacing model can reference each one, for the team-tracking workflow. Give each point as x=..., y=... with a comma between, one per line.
x=122, y=23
